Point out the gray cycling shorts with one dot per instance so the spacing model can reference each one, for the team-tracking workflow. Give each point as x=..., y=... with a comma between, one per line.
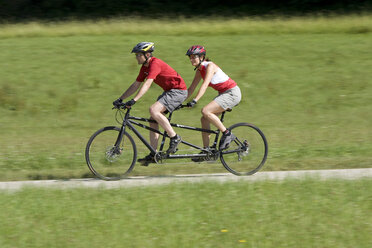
x=172, y=99
x=230, y=98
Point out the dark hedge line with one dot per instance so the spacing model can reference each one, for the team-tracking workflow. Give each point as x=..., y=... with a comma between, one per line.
x=90, y=9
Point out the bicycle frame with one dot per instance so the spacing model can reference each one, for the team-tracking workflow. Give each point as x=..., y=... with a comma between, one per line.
x=129, y=121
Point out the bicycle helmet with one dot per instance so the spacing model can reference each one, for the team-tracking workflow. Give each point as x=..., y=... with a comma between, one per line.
x=196, y=50
x=144, y=47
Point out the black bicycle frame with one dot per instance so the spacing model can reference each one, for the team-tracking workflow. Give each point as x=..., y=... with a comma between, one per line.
x=130, y=121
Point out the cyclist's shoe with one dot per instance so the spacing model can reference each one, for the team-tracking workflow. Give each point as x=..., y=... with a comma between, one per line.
x=146, y=160
x=226, y=139
x=174, y=141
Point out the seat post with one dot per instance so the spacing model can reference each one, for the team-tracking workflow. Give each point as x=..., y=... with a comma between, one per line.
x=170, y=116
x=222, y=116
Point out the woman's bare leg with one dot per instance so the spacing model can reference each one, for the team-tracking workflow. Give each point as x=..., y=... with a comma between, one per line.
x=210, y=114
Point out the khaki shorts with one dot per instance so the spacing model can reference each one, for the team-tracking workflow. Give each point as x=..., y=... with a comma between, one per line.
x=172, y=99
x=230, y=98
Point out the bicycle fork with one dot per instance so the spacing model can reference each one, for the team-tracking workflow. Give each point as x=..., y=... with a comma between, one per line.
x=117, y=149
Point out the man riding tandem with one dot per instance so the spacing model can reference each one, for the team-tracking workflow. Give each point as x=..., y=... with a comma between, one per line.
x=175, y=92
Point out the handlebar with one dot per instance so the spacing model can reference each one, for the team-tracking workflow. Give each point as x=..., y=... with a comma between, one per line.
x=122, y=106
x=177, y=108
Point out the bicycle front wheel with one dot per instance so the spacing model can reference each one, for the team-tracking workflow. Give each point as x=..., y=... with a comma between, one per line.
x=107, y=160
x=247, y=153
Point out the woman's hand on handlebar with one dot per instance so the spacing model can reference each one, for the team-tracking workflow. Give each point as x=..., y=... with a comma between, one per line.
x=191, y=103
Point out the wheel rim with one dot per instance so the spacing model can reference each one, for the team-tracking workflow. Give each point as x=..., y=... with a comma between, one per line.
x=107, y=161
x=247, y=153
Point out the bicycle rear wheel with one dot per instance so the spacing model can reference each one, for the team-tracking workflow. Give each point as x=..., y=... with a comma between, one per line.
x=247, y=153
x=107, y=161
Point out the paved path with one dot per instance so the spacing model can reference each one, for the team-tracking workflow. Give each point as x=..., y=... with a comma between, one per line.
x=348, y=174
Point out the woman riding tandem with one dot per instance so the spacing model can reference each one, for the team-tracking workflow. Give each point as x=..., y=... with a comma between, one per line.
x=228, y=97
x=175, y=92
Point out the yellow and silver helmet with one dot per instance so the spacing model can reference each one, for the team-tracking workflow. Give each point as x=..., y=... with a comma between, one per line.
x=144, y=47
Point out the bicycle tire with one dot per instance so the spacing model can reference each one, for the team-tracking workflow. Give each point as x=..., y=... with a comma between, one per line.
x=105, y=160
x=247, y=153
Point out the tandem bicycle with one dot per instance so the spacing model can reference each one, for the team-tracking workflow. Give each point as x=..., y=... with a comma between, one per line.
x=111, y=152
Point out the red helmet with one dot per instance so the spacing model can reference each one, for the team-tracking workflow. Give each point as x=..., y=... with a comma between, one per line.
x=196, y=50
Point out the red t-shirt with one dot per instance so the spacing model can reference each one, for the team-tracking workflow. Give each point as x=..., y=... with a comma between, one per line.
x=163, y=75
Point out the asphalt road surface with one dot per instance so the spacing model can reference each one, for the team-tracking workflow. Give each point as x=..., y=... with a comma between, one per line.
x=347, y=174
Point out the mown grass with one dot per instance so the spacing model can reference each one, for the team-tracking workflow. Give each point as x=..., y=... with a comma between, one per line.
x=292, y=213
x=306, y=84
x=181, y=26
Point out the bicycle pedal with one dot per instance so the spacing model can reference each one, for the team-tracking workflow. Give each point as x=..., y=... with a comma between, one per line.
x=168, y=153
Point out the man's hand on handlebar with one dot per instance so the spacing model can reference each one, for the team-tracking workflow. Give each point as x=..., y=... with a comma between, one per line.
x=129, y=104
x=118, y=103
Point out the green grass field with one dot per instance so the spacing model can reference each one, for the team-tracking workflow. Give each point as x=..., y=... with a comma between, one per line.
x=306, y=83
x=292, y=213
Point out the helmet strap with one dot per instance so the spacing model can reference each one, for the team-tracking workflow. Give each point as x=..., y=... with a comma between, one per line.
x=147, y=58
x=200, y=61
